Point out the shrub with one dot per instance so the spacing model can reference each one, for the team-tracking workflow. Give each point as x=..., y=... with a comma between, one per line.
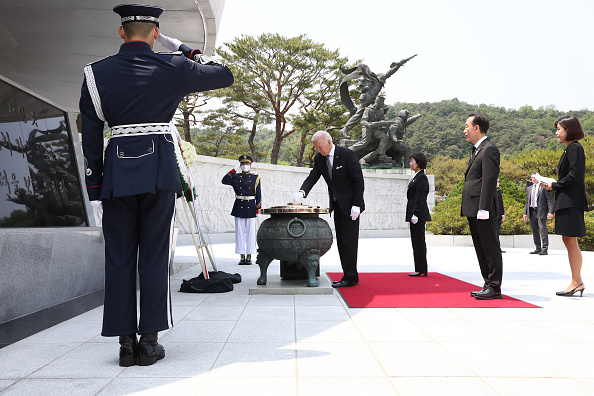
x=514, y=223
x=446, y=219
x=587, y=242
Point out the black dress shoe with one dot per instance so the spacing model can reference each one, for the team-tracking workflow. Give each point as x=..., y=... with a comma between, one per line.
x=489, y=294
x=128, y=350
x=543, y=253
x=248, y=259
x=344, y=284
x=149, y=350
x=338, y=281
x=535, y=252
x=475, y=293
x=418, y=274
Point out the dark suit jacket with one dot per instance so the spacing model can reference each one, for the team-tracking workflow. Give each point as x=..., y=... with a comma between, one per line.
x=346, y=183
x=544, y=202
x=138, y=86
x=480, y=180
x=570, y=188
x=416, y=194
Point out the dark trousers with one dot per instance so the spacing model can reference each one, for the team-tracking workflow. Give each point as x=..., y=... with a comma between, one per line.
x=137, y=231
x=497, y=225
x=539, y=230
x=347, y=241
x=488, y=252
x=417, y=237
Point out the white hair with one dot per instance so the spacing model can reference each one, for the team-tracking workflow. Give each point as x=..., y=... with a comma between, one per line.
x=321, y=135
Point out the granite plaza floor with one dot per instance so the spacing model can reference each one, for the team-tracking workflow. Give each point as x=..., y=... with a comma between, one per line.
x=241, y=344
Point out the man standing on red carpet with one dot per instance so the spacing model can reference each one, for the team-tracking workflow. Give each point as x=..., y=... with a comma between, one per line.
x=479, y=207
x=342, y=172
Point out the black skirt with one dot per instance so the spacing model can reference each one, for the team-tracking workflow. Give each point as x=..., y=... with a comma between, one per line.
x=569, y=222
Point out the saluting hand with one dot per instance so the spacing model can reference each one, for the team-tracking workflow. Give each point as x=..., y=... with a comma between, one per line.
x=171, y=44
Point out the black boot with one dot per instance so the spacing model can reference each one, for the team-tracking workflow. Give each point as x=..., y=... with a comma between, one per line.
x=242, y=260
x=149, y=350
x=248, y=259
x=128, y=350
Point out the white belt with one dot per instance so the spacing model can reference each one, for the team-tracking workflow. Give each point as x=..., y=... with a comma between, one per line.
x=140, y=129
x=245, y=197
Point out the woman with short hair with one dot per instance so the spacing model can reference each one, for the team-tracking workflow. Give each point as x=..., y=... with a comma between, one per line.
x=570, y=198
x=417, y=212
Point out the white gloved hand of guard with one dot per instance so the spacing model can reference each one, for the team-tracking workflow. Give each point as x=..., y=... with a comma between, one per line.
x=237, y=169
x=298, y=196
x=171, y=44
x=414, y=219
x=355, y=211
x=97, y=204
x=483, y=215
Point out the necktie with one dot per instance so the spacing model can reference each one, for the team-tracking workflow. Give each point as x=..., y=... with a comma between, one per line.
x=473, y=150
x=533, y=201
x=329, y=164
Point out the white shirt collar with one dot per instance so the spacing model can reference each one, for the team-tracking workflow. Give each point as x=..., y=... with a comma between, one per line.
x=480, y=141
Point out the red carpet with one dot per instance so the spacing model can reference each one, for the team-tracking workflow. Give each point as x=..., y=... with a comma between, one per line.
x=398, y=290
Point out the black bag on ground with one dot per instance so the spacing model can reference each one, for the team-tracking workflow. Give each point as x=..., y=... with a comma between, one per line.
x=218, y=282
x=235, y=278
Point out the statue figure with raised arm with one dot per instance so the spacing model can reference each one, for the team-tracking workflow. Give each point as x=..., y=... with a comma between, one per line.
x=369, y=87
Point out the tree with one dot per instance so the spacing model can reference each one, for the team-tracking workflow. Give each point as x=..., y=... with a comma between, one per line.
x=274, y=73
x=223, y=137
x=187, y=107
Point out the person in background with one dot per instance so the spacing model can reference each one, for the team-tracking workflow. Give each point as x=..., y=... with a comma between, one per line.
x=499, y=211
x=570, y=198
x=538, y=208
x=247, y=205
x=417, y=211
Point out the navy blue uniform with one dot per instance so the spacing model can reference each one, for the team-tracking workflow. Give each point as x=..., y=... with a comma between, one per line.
x=245, y=185
x=137, y=180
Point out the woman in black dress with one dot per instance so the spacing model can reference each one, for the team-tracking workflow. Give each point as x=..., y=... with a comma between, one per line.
x=417, y=212
x=570, y=198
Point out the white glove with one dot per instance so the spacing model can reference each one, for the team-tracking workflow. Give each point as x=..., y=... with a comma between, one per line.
x=482, y=214
x=170, y=43
x=237, y=169
x=298, y=196
x=414, y=219
x=355, y=211
x=97, y=204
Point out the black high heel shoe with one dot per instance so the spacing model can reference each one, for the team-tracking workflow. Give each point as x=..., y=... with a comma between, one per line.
x=418, y=274
x=572, y=291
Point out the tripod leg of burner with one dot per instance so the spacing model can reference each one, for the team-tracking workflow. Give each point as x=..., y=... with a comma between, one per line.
x=263, y=261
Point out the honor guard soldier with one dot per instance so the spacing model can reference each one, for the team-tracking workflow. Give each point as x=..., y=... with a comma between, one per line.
x=247, y=205
x=136, y=92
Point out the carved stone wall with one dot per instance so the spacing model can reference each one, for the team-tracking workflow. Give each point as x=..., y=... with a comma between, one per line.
x=385, y=194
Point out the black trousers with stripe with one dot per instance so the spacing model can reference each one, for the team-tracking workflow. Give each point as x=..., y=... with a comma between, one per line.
x=137, y=231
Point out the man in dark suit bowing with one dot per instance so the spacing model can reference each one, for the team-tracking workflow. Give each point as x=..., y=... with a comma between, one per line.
x=478, y=205
x=342, y=172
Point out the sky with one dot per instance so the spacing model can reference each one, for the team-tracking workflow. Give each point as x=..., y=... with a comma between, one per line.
x=499, y=52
